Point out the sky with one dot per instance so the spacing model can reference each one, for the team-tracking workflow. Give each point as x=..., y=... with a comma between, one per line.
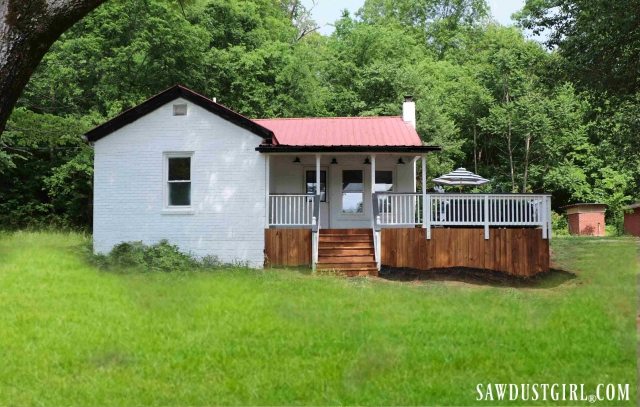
x=327, y=11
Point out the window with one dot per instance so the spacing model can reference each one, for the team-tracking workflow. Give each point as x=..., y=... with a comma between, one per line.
x=180, y=109
x=310, y=183
x=384, y=181
x=352, y=191
x=179, y=181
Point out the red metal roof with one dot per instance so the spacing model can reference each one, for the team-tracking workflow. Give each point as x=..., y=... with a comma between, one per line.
x=342, y=131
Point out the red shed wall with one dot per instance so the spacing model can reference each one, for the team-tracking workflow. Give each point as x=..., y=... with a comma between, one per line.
x=592, y=224
x=632, y=222
x=587, y=224
x=574, y=223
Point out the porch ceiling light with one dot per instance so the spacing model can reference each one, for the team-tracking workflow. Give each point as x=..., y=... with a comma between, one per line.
x=461, y=177
x=297, y=160
x=400, y=161
x=367, y=161
x=334, y=161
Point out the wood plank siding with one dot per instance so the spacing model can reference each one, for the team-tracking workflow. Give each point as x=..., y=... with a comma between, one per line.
x=287, y=247
x=520, y=252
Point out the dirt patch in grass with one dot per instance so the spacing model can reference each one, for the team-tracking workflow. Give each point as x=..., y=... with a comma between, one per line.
x=551, y=279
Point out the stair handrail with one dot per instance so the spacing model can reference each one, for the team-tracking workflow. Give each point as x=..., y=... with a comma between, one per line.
x=315, y=232
x=376, y=229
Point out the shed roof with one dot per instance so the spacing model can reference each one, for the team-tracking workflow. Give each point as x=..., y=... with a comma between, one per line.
x=585, y=205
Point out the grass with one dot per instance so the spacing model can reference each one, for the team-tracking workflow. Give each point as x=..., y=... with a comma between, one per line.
x=73, y=335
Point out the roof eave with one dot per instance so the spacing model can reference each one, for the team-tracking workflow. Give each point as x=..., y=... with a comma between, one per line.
x=347, y=149
x=584, y=204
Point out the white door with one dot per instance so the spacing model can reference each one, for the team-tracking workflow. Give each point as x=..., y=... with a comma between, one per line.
x=310, y=188
x=350, y=197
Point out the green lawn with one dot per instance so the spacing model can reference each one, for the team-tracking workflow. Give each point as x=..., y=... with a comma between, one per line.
x=74, y=335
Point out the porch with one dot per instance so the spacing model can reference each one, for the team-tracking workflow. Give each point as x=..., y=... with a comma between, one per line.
x=358, y=212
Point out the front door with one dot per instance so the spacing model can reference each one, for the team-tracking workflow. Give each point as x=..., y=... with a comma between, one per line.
x=350, y=197
x=310, y=186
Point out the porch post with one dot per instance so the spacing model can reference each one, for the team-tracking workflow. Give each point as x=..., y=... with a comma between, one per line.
x=318, y=174
x=426, y=212
x=267, y=210
x=318, y=192
x=373, y=173
x=373, y=187
x=415, y=174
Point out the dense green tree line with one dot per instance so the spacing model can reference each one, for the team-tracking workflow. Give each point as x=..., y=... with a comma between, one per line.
x=529, y=119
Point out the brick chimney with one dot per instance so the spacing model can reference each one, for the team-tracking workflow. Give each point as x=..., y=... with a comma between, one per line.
x=409, y=111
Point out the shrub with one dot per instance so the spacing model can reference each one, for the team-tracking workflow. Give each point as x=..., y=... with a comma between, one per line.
x=559, y=224
x=160, y=257
x=127, y=255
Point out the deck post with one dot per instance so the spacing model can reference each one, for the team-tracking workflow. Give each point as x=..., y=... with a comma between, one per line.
x=315, y=233
x=318, y=175
x=373, y=187
x=549, y=213
x=267, y=210
x=426, y=224
x=543, y=218
x=486, y=217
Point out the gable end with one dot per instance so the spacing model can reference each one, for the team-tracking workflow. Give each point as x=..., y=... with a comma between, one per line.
x=173, y=93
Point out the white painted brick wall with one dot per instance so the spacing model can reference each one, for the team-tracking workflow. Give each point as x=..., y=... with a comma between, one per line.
x=228, y=186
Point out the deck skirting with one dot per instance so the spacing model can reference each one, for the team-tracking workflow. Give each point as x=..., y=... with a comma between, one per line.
x=287, y=247
x=519, y=252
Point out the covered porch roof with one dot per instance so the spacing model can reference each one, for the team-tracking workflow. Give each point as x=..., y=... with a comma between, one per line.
x=343, y=135
x=347, y=149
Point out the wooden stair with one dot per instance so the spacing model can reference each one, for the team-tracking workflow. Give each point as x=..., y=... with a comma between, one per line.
x=347, y=251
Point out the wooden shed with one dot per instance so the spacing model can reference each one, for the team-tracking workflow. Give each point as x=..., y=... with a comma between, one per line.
x=632, y=219
x=586, y=219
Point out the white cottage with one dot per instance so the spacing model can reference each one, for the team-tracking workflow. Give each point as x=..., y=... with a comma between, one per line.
x=314, y=191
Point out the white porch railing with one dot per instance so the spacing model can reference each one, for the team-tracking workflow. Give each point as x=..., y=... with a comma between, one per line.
x=292, y=211
x=302, y=211
x=524, y=210
x=397, y=209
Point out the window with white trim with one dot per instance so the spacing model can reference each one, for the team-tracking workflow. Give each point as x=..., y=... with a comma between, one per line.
x=178, y=178
x=352, y=191
x=384, y=181
x=311, y=184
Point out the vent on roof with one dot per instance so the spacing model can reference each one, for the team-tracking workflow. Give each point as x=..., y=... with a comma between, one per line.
x=180, y=109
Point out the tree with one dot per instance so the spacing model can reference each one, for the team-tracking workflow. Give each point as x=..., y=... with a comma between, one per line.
x=116, y=57
x=439, y=23
x=27, y=30
x=300, y=16
x=51, y=181
x=598, y=43
x=599, y=40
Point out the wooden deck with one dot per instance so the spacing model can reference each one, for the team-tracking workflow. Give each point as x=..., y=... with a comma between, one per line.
x=519, y=252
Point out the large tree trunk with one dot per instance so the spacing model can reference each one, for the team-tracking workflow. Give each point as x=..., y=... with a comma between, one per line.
x=509, y=135
x=475, y=149
x=27, y=29
x=527, y=149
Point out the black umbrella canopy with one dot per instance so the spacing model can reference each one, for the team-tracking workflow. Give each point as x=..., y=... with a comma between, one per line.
x=461, y=177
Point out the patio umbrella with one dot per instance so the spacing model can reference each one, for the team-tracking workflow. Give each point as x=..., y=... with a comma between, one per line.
x=461, y=177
